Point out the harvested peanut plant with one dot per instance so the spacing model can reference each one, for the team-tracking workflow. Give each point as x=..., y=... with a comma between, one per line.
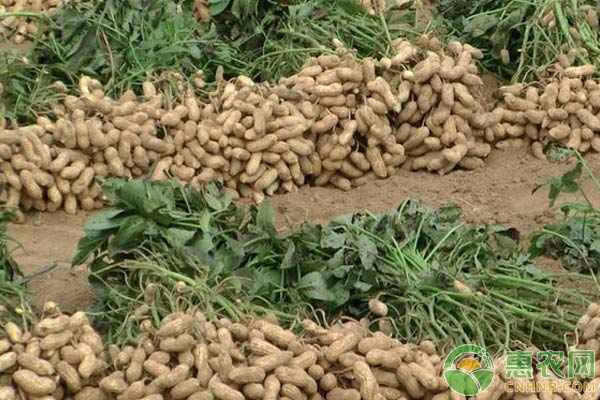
x=442, y=280
x=575, y=240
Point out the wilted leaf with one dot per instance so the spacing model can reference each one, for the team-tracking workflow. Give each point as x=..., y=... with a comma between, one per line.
x=178, y=237
x=288, y=258
x=333, y=240
x=367, y=251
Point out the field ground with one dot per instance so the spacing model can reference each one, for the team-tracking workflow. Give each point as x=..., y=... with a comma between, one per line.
x=500, y=193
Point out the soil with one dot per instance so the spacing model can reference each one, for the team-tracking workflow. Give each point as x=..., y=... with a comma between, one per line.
x=500, y=193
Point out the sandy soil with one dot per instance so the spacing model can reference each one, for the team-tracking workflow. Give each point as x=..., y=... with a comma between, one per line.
x=501, y=193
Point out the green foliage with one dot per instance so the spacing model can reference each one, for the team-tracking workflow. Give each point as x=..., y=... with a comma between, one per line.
x=11, y=293
x=123, y=43
x=269, y=39
x=163, y=233
x=118, y=42
x=160, y=217
x=217, y=7
x=575, y=241
x=516, y=25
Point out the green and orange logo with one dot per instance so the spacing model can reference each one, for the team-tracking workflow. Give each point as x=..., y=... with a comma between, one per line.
x=469, y=370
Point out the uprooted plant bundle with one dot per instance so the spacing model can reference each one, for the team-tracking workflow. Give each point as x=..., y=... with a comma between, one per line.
x=186, y=355
x=337, y=121
x=474, y=280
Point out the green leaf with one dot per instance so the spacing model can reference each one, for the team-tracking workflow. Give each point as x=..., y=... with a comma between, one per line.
x=195, y=52
x=228, y=260
x=86, y=246
x=341, y=220
x=96, y=266
x=362, y=286
x=554, y=191
x=341, y=271
x=352, y=7
x=264, y=218
x=332, y=240
x=570, y=187
x=205, y=220
x=337, y=260
x=133, y=193
x=236, y=247
x=213, y=201
x=104, y=220
x=130, y=232
x=449, y=214
x=568, y=183
x=342, y=295
x=264, y=281
x=288, y=258
x=243, y=8
x=480, y=25
x=136, y=4
x=203, y=244
x=314, y=286
x=216, y=7
x=572, y=175
x=178, y=237
x=367, y=251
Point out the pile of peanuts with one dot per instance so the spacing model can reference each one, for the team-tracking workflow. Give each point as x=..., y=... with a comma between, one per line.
x=19, y=28
x=443, y=115
x=336, y=122
x=566, y=110
x=588, y=333
x=191, y=357
x=58, y=354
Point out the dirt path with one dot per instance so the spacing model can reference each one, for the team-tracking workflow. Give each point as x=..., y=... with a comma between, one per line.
x=498, y=194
